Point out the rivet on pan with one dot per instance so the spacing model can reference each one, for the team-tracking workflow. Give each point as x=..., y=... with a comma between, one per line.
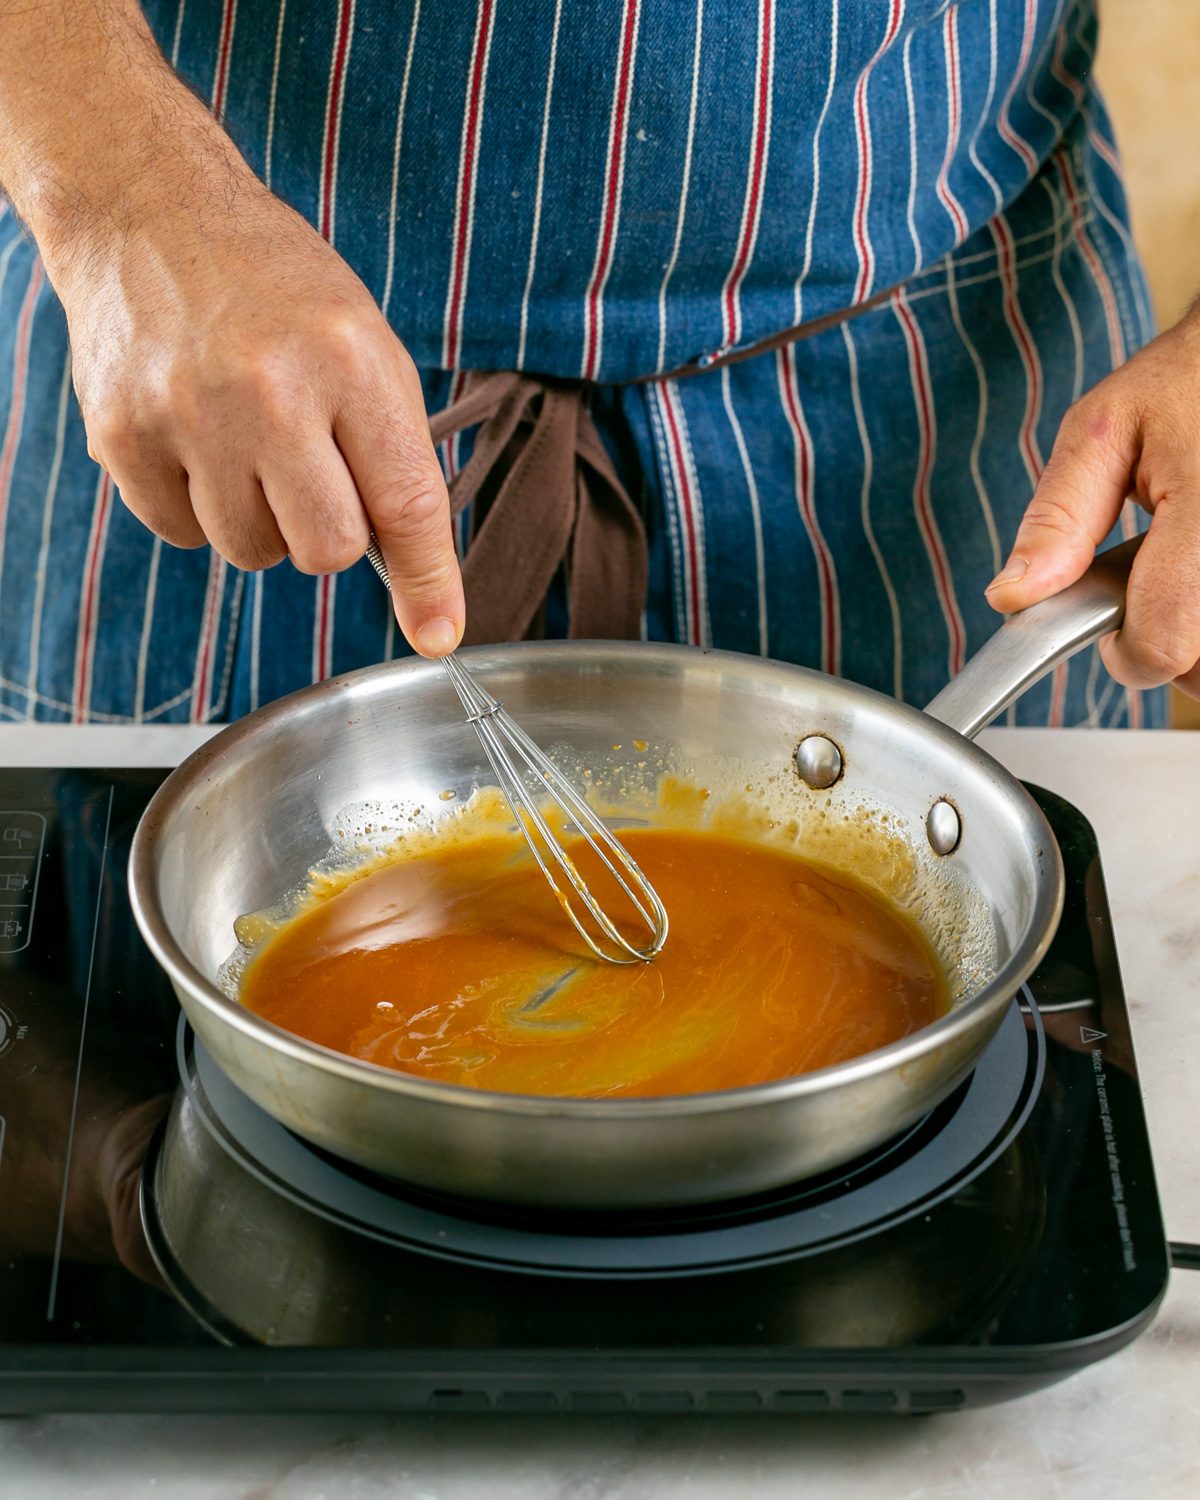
x=819, y=761
x=944, y=827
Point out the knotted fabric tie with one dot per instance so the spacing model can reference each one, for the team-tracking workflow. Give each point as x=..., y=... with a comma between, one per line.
x=543, y=493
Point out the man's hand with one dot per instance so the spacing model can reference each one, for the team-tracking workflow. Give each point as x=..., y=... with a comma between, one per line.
x=242, y=388
x=235, y=376
x=1136, y=433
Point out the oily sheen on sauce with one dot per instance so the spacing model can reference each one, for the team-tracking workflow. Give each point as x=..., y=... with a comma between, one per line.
x=458, y=965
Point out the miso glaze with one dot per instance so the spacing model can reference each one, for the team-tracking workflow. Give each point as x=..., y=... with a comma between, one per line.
x=460, y=966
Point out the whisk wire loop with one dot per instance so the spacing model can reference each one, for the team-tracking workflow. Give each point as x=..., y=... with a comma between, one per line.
x=505, y=743
x=485, y=715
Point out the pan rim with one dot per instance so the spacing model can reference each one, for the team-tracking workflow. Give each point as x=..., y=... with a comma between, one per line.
x=188, y=980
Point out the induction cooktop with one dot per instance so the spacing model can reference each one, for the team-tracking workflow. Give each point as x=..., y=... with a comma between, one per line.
x=166, y=1246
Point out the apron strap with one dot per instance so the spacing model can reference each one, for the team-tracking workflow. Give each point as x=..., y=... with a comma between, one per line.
x=544, y=495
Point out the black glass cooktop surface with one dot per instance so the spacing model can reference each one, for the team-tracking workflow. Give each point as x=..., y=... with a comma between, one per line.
x=164, y=1245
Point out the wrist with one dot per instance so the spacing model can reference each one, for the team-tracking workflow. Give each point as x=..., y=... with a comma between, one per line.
x=155, y=190
x=113, y=146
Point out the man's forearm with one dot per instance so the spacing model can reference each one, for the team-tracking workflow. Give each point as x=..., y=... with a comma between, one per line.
x=95, y=126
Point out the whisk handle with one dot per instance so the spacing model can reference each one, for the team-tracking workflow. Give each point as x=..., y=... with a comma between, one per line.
x=375, y=558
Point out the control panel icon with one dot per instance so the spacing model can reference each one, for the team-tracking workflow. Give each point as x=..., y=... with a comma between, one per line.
x=22, y=842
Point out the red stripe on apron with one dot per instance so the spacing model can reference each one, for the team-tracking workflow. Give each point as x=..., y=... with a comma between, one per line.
x=830, y=621
x=862, y=127
x=1022, y=147
x=1029, y=358
x=333, y=108
x=954, y=106
x=612, y=193
x=466, y=186
x=16, y=406
x=687, y=510
x=922, y=503
x=758, y=158
x=224, y=47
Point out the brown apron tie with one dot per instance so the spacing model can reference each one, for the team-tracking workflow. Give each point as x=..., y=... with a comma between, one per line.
x=544, y=494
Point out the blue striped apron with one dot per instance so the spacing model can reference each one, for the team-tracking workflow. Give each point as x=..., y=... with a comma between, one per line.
x=607, y=193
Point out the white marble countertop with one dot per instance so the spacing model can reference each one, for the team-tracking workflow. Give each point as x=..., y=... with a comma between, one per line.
x=1128, y=1425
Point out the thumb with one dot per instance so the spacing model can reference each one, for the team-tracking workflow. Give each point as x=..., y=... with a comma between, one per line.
x=404, y=495
x=1075, y=506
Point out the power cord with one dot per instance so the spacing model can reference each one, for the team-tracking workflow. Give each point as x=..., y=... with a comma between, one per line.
x=1184, y=1257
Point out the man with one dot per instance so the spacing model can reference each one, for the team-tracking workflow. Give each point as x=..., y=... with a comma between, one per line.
x=880, y=249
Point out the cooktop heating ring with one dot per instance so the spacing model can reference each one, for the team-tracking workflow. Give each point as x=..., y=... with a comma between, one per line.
x=907, y=1176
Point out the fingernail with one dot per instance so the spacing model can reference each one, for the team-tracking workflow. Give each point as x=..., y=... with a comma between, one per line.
x=437, y=638
x=1014, y=570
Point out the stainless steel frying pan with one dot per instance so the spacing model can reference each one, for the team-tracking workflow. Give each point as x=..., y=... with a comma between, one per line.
x=865, y=782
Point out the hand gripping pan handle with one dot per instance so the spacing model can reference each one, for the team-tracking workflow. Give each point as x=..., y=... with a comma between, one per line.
x=1033, y=642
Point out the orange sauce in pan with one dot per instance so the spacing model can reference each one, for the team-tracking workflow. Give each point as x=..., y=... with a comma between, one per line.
x=459, y=965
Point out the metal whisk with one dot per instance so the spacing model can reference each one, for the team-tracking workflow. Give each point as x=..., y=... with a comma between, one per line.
x=514, y=758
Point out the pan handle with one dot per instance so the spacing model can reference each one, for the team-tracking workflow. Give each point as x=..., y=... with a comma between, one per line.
x=1033, y=642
